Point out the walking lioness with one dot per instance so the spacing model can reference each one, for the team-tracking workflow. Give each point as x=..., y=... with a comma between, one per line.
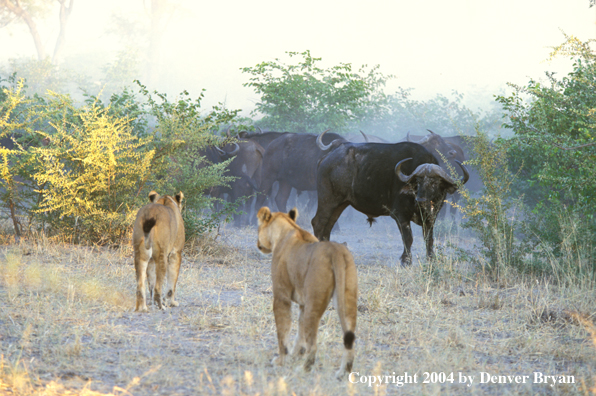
x=158, y=240
x=309, y=273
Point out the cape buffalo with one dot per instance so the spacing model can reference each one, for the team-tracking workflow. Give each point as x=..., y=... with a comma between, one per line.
x=370, y=177
x=291, y=160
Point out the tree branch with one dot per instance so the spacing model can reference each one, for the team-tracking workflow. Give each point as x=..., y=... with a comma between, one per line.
x=22, y=13
x=576, y=147
x=64, y=14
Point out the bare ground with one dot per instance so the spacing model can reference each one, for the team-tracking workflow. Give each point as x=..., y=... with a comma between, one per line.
x=67, y=326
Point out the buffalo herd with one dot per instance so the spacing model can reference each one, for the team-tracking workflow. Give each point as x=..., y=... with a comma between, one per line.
x=408, y=181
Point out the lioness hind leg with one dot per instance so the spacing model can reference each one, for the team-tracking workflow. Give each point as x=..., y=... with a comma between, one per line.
x=173, y=270
x=141, y=272
x=151, y=279
x=300, y=344
x=282, y=311
x=160, y=275
x=312, y=318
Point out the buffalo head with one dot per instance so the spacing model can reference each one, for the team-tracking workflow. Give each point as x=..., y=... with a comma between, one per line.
x=429, y=183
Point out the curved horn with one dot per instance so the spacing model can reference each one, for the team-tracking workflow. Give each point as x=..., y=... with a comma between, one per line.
x=431, y=131
x=398, y=172
x=466, y=174
x=365, y=137
x=320, y=142
x=228, y=131
x=408, y=139
x=220, y=151
x=425, y=139
x=260, y=130
x=235, y=151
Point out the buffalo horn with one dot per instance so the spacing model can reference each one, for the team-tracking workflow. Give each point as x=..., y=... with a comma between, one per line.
x=260, y=130
x=398, y=172
x=235, y=151
x=436, y=170
x=320, y=142
x=408, y=139
x=424, y=139
x=228, y=131
x=466, y=174
x=365, y=137
x=220, y=151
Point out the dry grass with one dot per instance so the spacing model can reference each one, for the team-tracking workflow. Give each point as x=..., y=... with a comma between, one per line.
x=67, y=326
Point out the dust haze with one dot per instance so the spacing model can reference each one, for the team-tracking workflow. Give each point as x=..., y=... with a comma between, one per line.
x=433, y=47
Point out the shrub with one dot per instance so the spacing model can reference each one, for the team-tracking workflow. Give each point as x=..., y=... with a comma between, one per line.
x=494, y=215
x=86, y=169
x=555, y=140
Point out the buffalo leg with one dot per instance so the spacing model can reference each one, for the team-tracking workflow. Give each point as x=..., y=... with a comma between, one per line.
x=324, y=221
x=264, y=192
x=427, y=232
x=407, y=239
x=281, y=199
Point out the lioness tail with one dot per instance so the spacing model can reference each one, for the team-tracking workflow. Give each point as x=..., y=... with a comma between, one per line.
x=148, y=224
x=349, y=338
x=347, y=321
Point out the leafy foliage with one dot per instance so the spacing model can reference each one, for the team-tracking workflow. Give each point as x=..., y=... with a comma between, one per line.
x=493, y=215
x=84, y=170
x=555, y=145
x=92, y=172
x=303, y=97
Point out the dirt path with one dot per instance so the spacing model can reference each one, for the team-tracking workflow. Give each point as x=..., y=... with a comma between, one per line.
x=74, y=328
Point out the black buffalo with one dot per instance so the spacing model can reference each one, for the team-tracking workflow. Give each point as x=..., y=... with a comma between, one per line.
x=370, y=177
x=292, y=160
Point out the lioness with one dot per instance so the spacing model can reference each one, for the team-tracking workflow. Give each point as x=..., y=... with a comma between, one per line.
x=158, y=239
x=309, y=273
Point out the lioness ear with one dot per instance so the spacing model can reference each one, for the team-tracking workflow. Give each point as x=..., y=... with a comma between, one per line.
x=264, y=214
x=153, y=196
x=293, y=213
x=179, y=197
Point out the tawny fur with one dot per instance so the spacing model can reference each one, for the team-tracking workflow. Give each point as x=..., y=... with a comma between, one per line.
x=309, y=273
x=158, y=240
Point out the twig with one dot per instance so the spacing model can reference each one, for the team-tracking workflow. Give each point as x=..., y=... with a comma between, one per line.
x=576, y=147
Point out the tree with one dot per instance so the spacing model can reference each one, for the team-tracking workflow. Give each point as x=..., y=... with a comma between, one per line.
x=303, y=97
x=27, y=11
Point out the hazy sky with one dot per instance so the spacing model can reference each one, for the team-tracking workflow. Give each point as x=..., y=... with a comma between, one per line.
x=433, y=46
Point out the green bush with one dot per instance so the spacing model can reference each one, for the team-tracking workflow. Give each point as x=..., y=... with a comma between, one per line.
x=555, y=146
x=494, y=215
x=82, y=171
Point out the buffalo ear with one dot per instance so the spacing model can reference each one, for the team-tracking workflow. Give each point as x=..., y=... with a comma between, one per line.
x=179, y=197
x=450, y=188
x=153, y=196
x=407, y=189
x=264, y=214
x=293, y=213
